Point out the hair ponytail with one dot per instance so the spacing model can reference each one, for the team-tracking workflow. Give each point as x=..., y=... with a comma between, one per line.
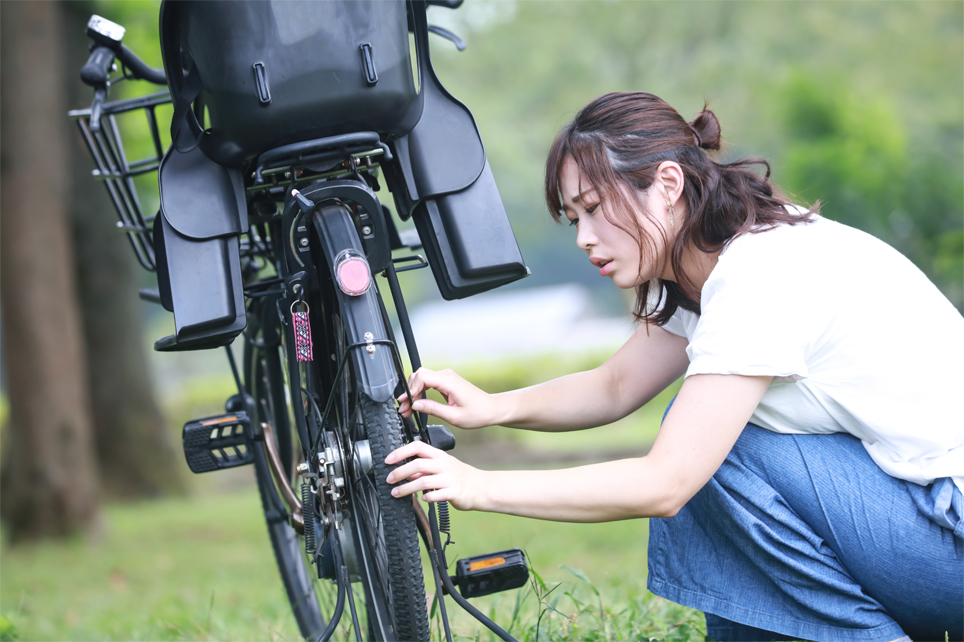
x=706, y=128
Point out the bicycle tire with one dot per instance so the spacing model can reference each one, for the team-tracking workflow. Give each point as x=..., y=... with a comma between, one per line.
x=391, y=522
x=406, y=587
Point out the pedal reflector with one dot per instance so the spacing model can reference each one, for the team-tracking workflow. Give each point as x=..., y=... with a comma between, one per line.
x=486, y=574
x=215, y=443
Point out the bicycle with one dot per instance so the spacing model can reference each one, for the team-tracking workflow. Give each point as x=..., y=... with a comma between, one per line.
x=270, y=230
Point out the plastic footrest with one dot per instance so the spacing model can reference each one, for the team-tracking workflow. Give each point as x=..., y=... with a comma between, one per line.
x=486, y=574
x=216, y=443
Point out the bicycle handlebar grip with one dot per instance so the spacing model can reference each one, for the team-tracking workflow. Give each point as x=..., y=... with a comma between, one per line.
x=96, y=71
x=139, y=68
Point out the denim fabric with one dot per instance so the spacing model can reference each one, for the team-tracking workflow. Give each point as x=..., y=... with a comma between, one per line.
x=805, y=537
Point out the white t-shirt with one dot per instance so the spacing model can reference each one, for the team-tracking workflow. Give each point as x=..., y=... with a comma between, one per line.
x=857, y=339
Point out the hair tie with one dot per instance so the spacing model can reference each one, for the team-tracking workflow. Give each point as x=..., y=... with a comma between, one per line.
x=699, y=139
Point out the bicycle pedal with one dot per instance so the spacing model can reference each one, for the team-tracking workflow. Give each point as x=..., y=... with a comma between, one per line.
x=216, y=443
x=486, y=574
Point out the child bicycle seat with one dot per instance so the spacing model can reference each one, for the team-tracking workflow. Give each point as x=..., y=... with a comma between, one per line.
x=275, y=74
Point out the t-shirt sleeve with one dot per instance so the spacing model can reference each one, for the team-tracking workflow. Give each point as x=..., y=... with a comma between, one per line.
x=757, y=315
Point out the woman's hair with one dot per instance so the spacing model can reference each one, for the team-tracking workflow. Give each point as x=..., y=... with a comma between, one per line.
x=619, y=140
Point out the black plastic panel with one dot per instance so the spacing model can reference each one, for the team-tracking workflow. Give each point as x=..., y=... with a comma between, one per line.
x=200, y=281
x=311, y=60
x=199, y=198
x=445, y=148
x=478, y=230
x=468, y=240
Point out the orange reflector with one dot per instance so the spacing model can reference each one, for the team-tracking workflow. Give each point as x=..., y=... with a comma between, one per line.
x=219, y=420
x=489, y=563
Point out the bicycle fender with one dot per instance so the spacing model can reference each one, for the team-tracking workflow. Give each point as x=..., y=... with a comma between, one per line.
x=361, y=315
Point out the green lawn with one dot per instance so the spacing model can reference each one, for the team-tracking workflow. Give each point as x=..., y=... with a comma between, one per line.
x=200, y=568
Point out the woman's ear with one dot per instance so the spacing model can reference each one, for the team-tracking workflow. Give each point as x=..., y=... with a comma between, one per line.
x=669, y=176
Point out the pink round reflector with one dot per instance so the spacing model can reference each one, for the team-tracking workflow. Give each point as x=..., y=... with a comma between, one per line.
x=353, y=276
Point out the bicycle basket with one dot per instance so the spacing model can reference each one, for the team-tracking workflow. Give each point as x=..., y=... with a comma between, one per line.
x=117, y=172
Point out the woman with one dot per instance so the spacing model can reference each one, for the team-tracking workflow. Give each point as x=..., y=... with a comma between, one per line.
x=809, y=472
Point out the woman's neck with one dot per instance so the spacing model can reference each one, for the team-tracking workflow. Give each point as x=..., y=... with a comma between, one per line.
x=697, y=265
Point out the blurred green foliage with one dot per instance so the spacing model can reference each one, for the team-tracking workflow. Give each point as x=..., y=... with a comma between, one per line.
x=856, y=158
x=858, y=105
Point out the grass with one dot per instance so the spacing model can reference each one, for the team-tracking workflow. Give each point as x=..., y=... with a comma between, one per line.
x=200, y=568
x=588, y=582
x=179, y=569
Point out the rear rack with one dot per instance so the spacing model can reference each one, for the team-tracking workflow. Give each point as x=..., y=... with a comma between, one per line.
x=113, y=167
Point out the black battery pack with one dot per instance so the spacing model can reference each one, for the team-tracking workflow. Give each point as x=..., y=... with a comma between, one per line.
x=486, y=574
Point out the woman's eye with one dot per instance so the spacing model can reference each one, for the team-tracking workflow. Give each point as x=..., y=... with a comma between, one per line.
x=591, y=208
x=573, y=221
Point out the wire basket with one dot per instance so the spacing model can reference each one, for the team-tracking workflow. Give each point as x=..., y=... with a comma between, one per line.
x=117, y=172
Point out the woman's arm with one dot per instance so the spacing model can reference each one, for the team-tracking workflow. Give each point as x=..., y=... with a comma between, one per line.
x=705, y=421
x=640, y=369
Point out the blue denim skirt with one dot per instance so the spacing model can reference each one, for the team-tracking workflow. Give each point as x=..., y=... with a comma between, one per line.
x=804, y=537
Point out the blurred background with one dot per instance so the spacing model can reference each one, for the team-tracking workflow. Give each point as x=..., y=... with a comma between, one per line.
x=106, y=534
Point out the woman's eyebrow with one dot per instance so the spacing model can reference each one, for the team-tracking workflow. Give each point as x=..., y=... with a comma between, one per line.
x=578, y=197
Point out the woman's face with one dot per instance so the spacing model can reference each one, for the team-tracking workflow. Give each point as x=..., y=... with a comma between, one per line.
x=615, y=252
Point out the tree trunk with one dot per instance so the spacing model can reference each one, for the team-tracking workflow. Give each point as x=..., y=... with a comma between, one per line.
x=50, y=480
x=134, y=446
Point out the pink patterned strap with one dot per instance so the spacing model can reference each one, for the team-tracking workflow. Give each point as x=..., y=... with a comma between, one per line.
x=302, y=328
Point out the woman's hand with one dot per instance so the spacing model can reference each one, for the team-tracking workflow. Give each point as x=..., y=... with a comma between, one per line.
x=432, y=469
x=466, y=406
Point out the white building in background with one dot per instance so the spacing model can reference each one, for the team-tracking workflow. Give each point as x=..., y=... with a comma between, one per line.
x=498, y=325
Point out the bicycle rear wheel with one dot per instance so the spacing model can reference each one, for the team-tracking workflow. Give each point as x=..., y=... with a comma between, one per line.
x=264, y=367
x=390, y=525
x=380, y=537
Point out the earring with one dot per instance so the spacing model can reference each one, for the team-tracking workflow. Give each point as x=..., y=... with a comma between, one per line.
x=672, y=214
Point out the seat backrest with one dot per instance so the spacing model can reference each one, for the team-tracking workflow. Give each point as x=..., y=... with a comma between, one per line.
x=275, y=73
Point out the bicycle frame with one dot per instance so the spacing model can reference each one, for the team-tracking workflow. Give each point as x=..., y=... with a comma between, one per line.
x=309, y=205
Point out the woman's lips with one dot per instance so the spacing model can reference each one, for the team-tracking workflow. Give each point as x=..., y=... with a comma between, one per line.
x=602, y=264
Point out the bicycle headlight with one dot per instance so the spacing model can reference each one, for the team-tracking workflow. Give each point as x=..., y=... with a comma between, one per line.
x=104, y=31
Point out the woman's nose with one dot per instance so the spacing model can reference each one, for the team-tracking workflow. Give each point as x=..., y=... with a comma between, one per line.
x=585, y=239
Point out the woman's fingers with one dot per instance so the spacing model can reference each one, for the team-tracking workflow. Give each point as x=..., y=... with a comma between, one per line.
x=442, y=411
x=412, y=470
x=465, y=405
x=421, y=472
x=428, y=482
x=412, y=449
x=415, y=386
x=442, y=476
